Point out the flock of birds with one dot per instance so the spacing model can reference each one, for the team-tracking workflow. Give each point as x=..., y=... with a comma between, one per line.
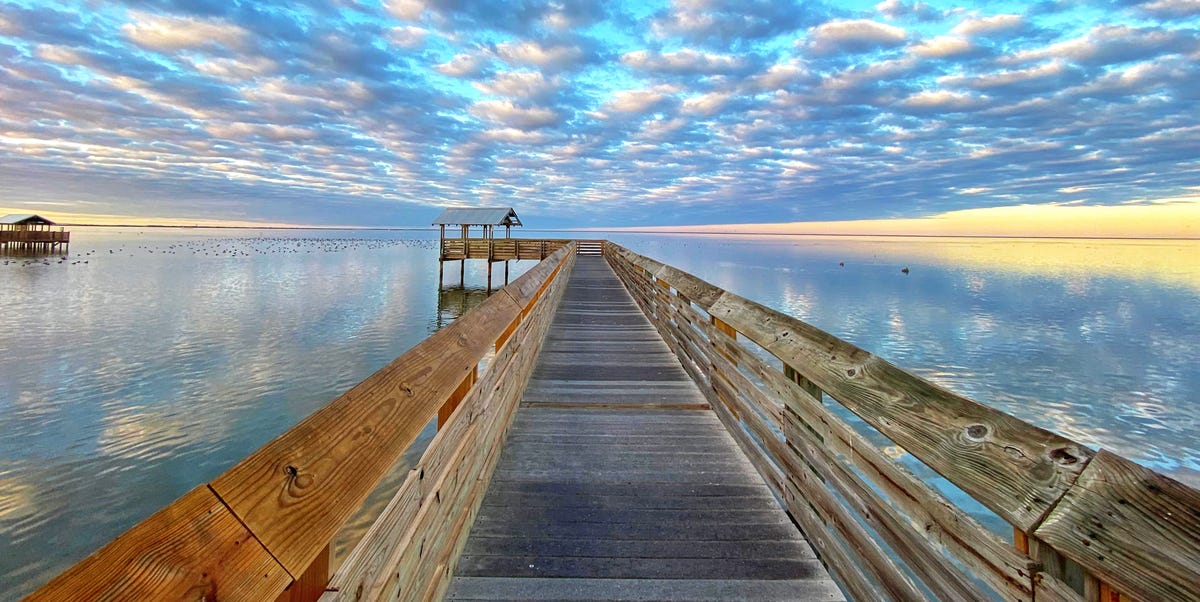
x=230, y=247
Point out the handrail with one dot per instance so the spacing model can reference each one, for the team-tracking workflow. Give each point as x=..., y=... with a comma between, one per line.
x=258, y=528
x=1085, y=523
x=411, y=549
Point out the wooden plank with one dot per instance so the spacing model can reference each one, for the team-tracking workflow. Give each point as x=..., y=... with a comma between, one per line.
x=1136, y=530
x=1048, y=588
x=195, y=548
x=640, y=590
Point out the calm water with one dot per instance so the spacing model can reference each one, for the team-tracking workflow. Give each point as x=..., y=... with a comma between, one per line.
x=130, y=379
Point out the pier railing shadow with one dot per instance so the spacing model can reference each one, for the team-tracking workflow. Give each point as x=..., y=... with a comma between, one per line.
x=1087, y=525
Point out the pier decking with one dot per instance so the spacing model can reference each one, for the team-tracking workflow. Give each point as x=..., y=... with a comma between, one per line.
x=613, y=428
x=617, y=482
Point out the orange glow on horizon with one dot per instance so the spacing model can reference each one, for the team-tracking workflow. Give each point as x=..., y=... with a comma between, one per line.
x=1168, y=218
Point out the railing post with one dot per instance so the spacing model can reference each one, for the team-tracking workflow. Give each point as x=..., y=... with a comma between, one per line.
x=455, y=398
x=809, y=386
x=310, y=585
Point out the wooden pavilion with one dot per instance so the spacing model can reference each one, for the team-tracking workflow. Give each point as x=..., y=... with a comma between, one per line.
x=484, y=247
x=29, y=233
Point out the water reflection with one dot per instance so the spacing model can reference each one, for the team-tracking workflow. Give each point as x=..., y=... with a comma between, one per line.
x=170, y=355
x=454, y=301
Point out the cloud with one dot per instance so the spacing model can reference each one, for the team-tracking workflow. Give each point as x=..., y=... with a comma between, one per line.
x=408, y=36
x=859, y=35
x=236, y=69
x=686, y=61
x=332, y=110
x=556, y=57
x=1170, y=9
x=942, y=47
x=406, y=10
x=523, y=85
x=734, y=23
x=898, y=9
x=465, y=65
x=942, y=101
x=977, y=26
x=510, y=115
x=1113, y=44
x=706, y=105
x=8, y=27
x=783, y=75
x=635, y=101
x=171, y=34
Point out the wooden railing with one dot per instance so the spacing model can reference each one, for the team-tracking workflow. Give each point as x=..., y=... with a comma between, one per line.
x=499, y=249
x=504, y=249
x=261, y=530
x=1087, y=524
x=44, y=236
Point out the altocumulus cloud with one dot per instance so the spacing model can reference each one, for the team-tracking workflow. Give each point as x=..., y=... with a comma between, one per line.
x=590, y=113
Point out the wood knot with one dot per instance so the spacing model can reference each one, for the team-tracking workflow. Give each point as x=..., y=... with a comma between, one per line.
x=462, y=340
x=291, y=472
x=1062, y=456
x=977, y=432
x=407, y=388
x=851, y=372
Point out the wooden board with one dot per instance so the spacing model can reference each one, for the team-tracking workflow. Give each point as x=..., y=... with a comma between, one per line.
x=193, y=549
x=1133, y=528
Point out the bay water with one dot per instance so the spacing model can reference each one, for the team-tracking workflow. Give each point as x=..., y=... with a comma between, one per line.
x=150, y=360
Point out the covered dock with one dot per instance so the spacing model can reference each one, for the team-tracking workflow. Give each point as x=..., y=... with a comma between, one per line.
x=27, y=233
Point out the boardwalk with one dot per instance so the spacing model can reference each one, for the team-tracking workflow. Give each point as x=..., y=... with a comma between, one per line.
x=617, y=482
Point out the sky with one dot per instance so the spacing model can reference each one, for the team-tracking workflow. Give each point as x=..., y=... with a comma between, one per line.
x=584, y=113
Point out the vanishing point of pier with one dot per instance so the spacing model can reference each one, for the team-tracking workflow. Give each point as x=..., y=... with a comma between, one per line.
x=612, y=428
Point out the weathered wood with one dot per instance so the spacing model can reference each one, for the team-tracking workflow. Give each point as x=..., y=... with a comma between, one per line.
x=934, y=524
x=194, y=548
x=754, y=410
x=295, y=492
x=311, y=585
x=1014, y=468
x=1133, y=528
x=456, y=397
x=596, y=488
x=1048, y=588
x=410, y=549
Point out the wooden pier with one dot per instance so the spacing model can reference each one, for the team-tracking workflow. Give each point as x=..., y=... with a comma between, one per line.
x=612, y=428
x=32, y=235
x=618, y=482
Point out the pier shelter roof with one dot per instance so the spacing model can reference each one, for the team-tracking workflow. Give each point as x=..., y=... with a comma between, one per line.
x=478, y=216
x=25, y=219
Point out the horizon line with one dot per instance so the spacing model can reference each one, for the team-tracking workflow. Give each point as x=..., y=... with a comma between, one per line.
x=626, y=230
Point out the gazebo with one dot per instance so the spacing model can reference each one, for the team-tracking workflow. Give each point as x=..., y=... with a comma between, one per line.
x=484, y=247
x=30, y=232
x=487, y=217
